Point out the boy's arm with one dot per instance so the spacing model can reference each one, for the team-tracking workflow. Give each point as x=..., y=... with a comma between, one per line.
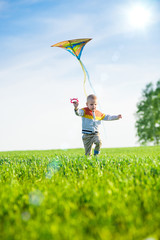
x=78, y=112
x=110, y=118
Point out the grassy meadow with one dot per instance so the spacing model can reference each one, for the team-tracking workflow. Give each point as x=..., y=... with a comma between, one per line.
x=62, y=195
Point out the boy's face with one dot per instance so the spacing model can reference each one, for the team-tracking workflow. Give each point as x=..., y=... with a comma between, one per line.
x=92, y=104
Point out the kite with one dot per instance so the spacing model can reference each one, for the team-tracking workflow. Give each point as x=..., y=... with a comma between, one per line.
x=75, y=47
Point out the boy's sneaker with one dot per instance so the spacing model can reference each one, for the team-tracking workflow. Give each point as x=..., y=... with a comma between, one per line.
x=96, y=152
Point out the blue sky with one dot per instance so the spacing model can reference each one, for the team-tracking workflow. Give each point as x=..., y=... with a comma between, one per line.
x=36, y=81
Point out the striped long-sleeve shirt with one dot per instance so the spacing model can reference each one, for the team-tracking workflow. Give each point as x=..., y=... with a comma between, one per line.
x=92, y=120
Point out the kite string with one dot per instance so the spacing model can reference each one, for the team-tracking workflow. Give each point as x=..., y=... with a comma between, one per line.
x=83, y=67
x=87, y=76
x=90, y=82
x=84, y=71
x=84, y=82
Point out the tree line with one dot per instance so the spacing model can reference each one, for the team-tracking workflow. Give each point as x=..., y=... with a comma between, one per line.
x=148, y=115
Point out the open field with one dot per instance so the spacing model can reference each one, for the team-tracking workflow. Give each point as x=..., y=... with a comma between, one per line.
x=62, y=195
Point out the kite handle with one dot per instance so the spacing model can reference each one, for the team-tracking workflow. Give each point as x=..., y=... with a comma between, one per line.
x=72, y=100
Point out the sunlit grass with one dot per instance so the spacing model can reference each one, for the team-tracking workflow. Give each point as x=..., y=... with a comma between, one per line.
x=64, y=195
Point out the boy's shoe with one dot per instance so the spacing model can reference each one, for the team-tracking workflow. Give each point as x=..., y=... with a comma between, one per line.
x=96, y=152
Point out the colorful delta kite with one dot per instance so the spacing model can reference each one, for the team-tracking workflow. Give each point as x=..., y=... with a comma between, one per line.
x=75, y=47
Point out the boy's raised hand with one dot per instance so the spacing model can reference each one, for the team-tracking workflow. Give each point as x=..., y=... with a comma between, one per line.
x=75, y=104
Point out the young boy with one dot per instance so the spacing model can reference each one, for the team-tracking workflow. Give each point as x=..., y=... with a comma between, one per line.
x=91, y=119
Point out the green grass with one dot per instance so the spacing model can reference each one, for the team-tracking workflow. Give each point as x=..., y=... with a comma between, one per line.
x=63, y=195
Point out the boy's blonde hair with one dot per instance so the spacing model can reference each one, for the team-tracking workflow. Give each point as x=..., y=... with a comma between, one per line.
x=91, y=97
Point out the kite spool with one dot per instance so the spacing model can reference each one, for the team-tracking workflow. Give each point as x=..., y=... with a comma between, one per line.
x=72, y=100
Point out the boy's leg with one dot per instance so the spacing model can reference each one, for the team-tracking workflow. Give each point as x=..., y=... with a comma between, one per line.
x=88, y=142
x=97, y=141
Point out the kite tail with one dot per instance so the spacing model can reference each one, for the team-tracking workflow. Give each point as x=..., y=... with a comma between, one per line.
x=84, y=82
x=83, y=67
